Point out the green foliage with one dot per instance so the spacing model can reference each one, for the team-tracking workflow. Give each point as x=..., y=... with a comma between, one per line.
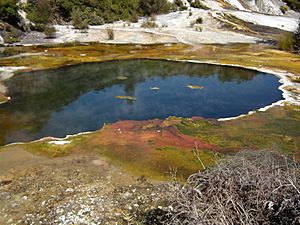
x=180, y=5
x=49, y=31
x=149, y=7
x=9, y=11
x=198, y=4
x=94, y=10
x=293, y=4
x=40, y=11
x=78, y=20
x=96, y=20
x=296, y=39
x=283, y=9
x=199, y=20
x=285, y=41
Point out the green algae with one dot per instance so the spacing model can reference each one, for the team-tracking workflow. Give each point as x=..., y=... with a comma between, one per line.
x=277, y=128
x=157, y=164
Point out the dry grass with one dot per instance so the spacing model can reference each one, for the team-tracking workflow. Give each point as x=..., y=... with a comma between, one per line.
x=255, y=187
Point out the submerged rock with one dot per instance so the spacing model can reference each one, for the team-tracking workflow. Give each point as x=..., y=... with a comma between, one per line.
x=195, y=87
x=122, y=78
x=59, y=142
x=125, y=97
x=154, y=88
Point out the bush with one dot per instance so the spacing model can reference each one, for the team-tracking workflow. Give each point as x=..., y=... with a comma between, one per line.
x=96, y=20
x=198, y=4
x=283, y=9
x=78, y=21
x=149, y=24
x=39, y=11
x=9, y=12
x=110, y=33
x=296, y=39
x=293, y=4
x=50, y=31
x=134, y=18
x=255, y=187
x=199, y=20
x=285, y=41
x=148, y=7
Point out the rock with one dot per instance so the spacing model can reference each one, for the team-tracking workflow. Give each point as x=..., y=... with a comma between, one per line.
x=1, y=40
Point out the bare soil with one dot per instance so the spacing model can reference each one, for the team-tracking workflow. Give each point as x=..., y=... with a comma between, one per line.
x=71, y=190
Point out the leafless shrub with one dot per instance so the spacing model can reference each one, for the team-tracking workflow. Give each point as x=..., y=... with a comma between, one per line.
x=258, y=187
x=110, y=33
x=149, y=24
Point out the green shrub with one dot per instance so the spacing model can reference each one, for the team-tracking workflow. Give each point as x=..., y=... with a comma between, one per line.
x=199, y=20
x=9, y=12
x=50, y=31
x=293, y=4
x=296, y=39
x=148, y=7
x=39, y=11
x=283, y=9
x=198, y=4
x=109, y=10
x=78, y=21
x=180, y=5
x=96, y=20
x=285, y=41
x=110, y=33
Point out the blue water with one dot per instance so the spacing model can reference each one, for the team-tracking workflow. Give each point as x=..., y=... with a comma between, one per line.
x=81, y=98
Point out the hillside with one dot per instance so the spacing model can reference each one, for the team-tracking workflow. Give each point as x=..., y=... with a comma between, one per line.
x=146, y=21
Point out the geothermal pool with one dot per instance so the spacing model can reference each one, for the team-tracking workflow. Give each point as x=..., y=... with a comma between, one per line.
x=82, y=98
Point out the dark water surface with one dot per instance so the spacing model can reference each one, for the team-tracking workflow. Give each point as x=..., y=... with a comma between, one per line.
x=81, y=98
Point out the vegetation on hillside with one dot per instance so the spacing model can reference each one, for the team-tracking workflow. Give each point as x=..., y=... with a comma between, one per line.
x=290, y=41
x=296, y=39
x=9, y=12
x=293, y=4
x=96, y=12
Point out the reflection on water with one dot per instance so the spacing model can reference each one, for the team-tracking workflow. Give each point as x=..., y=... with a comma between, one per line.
x=83, y=97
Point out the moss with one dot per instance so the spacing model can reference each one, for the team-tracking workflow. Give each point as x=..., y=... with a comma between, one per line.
x=157, y=164
x=268, y=129
x=44, y=148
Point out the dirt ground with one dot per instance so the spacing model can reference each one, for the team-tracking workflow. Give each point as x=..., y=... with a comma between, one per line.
x=71, y=190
